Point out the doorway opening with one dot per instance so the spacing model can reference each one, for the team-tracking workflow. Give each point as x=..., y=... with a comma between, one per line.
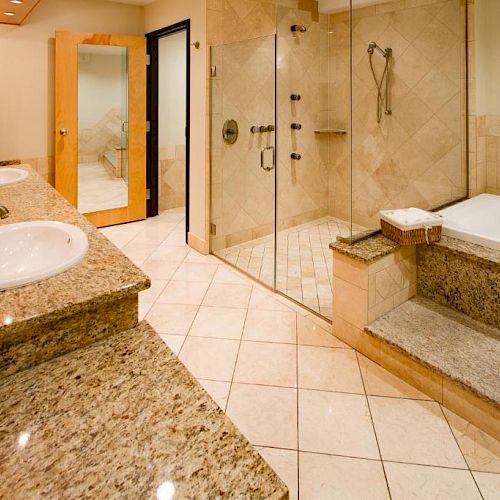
x=168, y=106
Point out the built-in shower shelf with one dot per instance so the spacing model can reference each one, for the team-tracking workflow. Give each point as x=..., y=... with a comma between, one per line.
x=330, y=131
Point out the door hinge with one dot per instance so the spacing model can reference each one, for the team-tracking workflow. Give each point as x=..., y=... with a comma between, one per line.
x=148, y=59
x=213, y=71
x=148, y=194
x=213, y=229
x=148, y=126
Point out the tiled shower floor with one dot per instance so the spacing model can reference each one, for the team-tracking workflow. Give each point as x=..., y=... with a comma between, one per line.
x=330, y=422
x=303, y=261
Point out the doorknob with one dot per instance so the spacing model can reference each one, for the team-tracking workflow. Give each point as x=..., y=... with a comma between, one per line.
x=63, y=131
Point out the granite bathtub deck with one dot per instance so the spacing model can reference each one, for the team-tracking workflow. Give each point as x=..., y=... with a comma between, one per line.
x=449, y=343
x=105, y=274
x=122, y=418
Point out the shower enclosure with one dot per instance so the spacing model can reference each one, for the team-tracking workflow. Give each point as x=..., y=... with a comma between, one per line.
x=323, y=114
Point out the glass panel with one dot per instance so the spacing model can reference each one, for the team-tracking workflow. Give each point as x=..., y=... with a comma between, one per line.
x=102, y=127
x=313, y=173
x=409, y=140
x=243, y=155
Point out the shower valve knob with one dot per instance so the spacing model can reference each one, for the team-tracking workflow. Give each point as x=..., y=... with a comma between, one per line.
x=296, y=126
x=295, y=156
x=295, y=97
x=254, y=129
x=262, y=128
x=270, y=128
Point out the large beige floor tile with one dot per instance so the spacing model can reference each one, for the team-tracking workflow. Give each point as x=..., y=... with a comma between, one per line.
x=219, y=322
x=219, y=391
x=266, y=301
x=139, y=250
x=153, y=292
x=225, y=275
x=195, y=271
x=324, y=477
x=267, y=416
x=159, y=269
x=329, y=369
x=267, y=363
x=285, y=464
x=174, y=342
x=228, y=295
x=419, y=482
x=270, y=326
x=489, y=484
x=379, y=382
x=481, y=451
x=194, y=256
x=212, y=359
x=144, y=308
x=309, y=332
x=184, y=292
x=175, y=319
x=415, y=432
x=336, y=423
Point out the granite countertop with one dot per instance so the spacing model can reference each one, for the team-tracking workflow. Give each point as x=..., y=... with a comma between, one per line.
x=104, y=274
x=367, y=250
x=122, y=417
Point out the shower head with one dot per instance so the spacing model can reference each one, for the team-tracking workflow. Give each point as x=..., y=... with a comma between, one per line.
x=298, y=27
x=371, y=47
x=374, y=45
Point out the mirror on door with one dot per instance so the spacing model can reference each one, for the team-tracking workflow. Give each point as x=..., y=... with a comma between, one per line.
x=102, y=127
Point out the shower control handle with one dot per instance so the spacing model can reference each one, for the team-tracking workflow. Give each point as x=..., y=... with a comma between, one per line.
x=262, y=154
x=295, y=97
x=270, y=128
x=296, y=126
x=295, y=156
x=255, y=129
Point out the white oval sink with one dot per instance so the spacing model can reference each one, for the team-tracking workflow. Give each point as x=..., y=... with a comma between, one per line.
x=34, y=251
x=12, y=175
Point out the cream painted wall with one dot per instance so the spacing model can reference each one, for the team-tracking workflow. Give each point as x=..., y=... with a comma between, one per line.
x=172, y=89
x=164, y=13
x=27, y=65
x=488, y=57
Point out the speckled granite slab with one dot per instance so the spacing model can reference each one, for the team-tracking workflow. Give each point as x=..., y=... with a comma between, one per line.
x=104, y=276
x=121, y=418
x=450, y=343
x=461, y=275
x=367, y=250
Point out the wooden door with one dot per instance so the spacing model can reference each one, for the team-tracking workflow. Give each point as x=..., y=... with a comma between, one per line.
x=100, y=143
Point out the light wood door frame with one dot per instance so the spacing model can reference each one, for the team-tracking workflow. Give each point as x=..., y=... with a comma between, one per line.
x=66, y=117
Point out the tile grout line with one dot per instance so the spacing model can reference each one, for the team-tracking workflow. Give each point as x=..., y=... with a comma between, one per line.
x=461, y=451
x=373, y=426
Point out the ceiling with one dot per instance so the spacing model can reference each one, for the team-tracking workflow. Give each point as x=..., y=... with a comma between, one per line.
x=16, y=13
x=133, y=2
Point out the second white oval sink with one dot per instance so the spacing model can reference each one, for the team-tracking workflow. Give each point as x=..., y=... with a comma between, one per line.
x=12, y=176
x=34, y=251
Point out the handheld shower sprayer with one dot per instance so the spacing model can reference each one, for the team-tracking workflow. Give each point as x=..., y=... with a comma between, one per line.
x=381, y=99
x=298, y=27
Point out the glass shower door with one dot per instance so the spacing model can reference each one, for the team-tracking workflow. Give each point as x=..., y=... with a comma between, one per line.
x=243, y=149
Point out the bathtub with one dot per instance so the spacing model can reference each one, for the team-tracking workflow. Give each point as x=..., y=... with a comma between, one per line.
x=476, y=220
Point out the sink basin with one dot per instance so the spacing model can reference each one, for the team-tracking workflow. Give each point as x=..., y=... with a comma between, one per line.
x=12, y=176
x=34, y=251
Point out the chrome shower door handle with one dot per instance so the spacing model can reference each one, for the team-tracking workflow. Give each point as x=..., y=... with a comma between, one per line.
x=262, y=158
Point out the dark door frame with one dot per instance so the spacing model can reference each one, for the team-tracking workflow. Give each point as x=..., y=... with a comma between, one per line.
x=152, y=114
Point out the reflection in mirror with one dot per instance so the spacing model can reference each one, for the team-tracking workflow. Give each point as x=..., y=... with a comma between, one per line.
x=102, y=127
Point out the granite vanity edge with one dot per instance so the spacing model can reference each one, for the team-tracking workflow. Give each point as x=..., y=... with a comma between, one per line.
x=64, y=294
x=436, y=369
x=367, y=250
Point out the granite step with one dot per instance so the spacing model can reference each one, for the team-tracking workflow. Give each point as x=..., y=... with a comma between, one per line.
x=445, y=341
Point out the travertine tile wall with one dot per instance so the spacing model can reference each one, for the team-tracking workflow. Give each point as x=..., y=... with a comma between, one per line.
x=171, y=174
x=416, y=156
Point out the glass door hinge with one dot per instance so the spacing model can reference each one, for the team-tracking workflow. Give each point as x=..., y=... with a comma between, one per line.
x=213, y=229
x=213, y=71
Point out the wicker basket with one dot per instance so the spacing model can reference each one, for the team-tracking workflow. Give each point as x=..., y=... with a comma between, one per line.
x=411, y=226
